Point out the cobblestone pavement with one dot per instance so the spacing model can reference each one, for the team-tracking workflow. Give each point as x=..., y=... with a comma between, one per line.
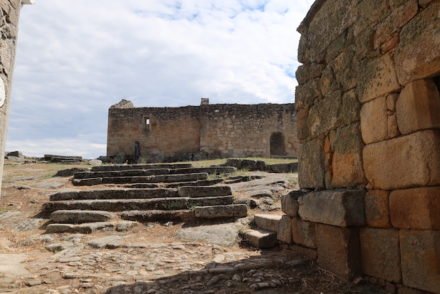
x=153, y=258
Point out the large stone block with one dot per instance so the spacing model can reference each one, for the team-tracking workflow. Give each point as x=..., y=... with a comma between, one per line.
x=289, y=202
x=268, y=222
x=400, y=15
x=339, y=250
x=418, y=106
x=370, y=13
x=380, y=254
x=311, y=164
x=377, y=209
x=329, y=22
x=341, y=208
x=346, y=162
x=374, y=120
x=303, y=233
x=417, y=208
x=377, y=78
x=284, y=230
x=349, y=111
x=324, y=114
x=420, y=255
x=407, y=161
x=417, y=54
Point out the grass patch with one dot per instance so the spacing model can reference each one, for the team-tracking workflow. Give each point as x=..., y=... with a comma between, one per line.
x=206, y=163
x=273, y=160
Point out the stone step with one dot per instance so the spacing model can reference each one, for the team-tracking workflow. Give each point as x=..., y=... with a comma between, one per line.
x=80, y=216
x=146, y=179
x=268, y=222
x=175, y=185
x=137, y=204
x=195, y=191
x=89, y=228
x=123, y=173
x=140, y=166
x=221, y=211
x=194, y=183
x=157, y=215
x=259, y=238
x=216, y=170
x=116, y=194
x=143, y=186
x=150, y=172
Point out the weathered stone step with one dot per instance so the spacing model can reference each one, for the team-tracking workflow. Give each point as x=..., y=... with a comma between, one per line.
x=157, y=215
x=137, y=204
x=175, y=185
x=89, y=228
x=116, y=194
x=151, y=172
x=121, y=173
x=140, y=166
x=80, y=216
x=217, y=170
x=221, y=211
x=195, y=191
x=194, y=183
x=146, y=179
x=268, y=222
x=260, y=238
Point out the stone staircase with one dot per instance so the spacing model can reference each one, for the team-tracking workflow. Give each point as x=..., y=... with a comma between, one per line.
x=168, y=174
x=87, y=211
x=264, y=233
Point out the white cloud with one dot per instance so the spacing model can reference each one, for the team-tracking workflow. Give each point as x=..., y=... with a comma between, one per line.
x=76, y=58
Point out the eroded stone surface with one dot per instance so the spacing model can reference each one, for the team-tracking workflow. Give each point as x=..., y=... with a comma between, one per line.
x=416, y=208
x=406, y=161
x=304, y=233
x=380, y=253
x=339, y=207
x=412, y=60
x=377, y=209
x=339, y=250
x=284, y=233
x=420, y=259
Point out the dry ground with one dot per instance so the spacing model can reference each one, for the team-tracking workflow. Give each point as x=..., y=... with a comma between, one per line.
x=151, y=258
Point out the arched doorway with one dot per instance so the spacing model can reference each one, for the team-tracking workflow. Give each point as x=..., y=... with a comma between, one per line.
x=277, y=147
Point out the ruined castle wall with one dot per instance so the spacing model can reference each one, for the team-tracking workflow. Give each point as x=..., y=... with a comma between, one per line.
x=208, y=131
x=233, y=130
x=368, y=118
x=171, y=132
x=9, y=14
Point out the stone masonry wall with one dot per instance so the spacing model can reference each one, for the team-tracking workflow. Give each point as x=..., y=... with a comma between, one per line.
x=195, y=132
x=9, y=14
x=172, y=132
x=245, y=130
x=368, y=118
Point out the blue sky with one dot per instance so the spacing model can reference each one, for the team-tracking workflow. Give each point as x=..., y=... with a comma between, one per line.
x=76, y=58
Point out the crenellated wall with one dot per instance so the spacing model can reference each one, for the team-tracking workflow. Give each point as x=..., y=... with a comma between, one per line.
x=368, y=118
x=206, y=131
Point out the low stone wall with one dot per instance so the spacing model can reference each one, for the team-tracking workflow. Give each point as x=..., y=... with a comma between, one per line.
x=368, y=117
x=260, y=165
